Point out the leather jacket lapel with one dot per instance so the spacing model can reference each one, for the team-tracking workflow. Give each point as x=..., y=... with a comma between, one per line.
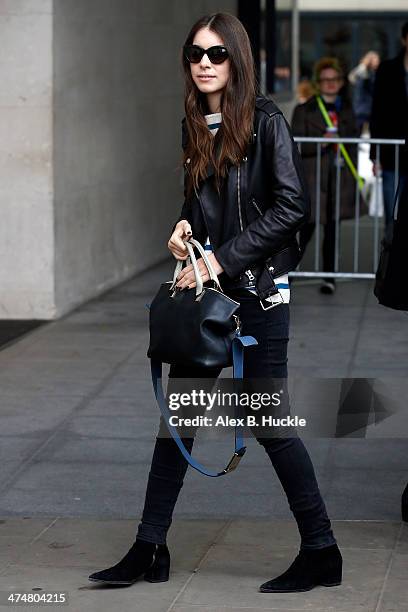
x=211, y=207
x=215, y=208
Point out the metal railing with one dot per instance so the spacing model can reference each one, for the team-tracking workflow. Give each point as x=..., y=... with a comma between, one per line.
x=336, y=273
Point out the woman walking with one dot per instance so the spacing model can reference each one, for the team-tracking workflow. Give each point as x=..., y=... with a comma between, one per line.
x=245, y=199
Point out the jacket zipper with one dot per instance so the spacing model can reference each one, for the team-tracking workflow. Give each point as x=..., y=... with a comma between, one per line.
x=248, y=272
x=256, y=206
x=239, y=198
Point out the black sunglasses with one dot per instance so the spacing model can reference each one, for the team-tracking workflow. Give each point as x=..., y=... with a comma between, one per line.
x=216, y=54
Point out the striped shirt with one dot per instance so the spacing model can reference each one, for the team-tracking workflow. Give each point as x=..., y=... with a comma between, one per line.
x=282, y=282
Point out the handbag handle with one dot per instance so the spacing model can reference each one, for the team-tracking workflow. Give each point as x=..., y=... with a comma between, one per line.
x=179, y=266
x=199, y=282
x=213, y=276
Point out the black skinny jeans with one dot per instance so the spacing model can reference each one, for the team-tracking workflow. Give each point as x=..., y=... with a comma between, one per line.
x=288, y=455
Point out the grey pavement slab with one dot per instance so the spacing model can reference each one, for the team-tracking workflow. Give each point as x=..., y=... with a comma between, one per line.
x=281, y=534
x=215, y=564
x=369, y=454
x=394, y=596
x=77, y=410
x=402, y=545
x=22, y=415
x=230, y=575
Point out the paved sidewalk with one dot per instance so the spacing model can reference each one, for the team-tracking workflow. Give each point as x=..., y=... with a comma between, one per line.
x=217, y=565
x=77, y=423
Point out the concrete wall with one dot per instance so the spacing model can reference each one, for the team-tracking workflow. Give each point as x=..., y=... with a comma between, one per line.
x=26, y=169
x=90, y=141
x=118, y=104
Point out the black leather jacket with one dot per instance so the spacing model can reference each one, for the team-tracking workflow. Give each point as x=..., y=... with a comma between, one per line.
x=265, y=203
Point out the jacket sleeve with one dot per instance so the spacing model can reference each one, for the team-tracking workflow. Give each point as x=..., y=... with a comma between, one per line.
x=186, y=208
x=359, y=73
x=288, y=209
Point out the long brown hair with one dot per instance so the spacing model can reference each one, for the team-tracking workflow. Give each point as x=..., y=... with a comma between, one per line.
x=237, y=104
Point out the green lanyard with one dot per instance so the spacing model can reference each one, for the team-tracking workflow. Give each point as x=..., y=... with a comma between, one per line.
x=343, y=149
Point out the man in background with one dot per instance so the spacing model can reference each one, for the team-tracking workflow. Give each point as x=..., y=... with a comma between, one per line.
x=362, y=77
x=389, y=119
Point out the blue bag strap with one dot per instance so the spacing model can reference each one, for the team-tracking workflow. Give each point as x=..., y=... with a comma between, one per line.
x=238, y=344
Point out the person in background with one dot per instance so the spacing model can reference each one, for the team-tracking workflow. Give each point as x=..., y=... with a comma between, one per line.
x=309, y=120
x=362, y=77
x=389, y=119
x=391, y=283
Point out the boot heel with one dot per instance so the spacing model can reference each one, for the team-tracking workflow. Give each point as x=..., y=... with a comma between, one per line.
x=160, y=569
x=329, y=584
x=333, y=580
x=404, y=505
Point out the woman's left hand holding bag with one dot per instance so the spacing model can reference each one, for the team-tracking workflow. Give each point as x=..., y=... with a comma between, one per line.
x=186, y=278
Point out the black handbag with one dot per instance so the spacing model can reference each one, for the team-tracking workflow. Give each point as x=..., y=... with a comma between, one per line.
x=196, y=328
x=193, y=327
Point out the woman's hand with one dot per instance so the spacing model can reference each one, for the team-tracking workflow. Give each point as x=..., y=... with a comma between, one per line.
x=186, y=278
x=182, y=231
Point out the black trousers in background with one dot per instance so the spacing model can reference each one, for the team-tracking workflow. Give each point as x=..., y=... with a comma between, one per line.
x=288, y=455
x=329, y=229
x=329, y=236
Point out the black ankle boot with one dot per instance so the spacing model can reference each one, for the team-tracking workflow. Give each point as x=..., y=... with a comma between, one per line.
x=312, y=567
x=404, y=505
x=152, y=560
x=159, y=571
